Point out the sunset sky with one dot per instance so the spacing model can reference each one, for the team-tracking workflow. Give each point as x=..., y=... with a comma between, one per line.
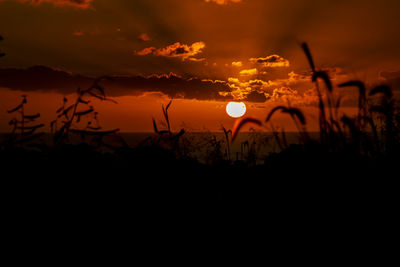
x=201, y=53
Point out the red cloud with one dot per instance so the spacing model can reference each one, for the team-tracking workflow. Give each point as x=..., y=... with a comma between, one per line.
x=146, y=51
x=223, y=2
x=144, y=37
x=78, y=33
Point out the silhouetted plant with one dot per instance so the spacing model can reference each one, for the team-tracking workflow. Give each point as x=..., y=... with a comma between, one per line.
x=359, y=135
x=213, y=151
x=373, y=132
x=228, y=147
x=297, y=117
x=362, y=100
x=22, y=129
x=1, y=53
x=71, y=115
x=258, y=141
x=242, y=122
x=360, y=129
x=385, y=107
x=167, y=137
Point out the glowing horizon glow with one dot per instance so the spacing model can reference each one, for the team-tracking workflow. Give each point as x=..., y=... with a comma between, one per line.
x=236, y=109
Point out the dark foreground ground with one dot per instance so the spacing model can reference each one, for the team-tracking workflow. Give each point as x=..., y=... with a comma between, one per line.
x=74, y=173
x=145, y=196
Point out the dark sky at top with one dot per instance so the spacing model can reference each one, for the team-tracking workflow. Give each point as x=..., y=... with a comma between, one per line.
x=214, y=40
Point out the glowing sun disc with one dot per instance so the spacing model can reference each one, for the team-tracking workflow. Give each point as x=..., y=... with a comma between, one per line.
x=236, y=109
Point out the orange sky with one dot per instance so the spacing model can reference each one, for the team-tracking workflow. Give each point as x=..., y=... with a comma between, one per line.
x=201, y=53
x=135, y=113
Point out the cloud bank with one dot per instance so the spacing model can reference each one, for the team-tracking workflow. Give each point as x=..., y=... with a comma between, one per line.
x=74, y=3
x=42, y=78
x=296, y=88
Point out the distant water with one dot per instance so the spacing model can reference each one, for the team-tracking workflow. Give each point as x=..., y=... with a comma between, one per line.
x=265, y=142
x=202, y=144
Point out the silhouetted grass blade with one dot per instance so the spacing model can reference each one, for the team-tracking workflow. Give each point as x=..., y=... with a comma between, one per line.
x=80, y=100
x=16, y=108
x=360, y=85
x=95, y=133
x=155, y=126
x=240, y=123
x=84, y=112
x=1, y=53
x=272, y=112
x=351, y=125
x=168, y=105
x=309, y=56
x=325, y=77
x=32, y=117
x=293, y=112
x=382, y=89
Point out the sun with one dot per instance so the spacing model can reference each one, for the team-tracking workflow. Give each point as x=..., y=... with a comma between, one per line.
x=236, y=109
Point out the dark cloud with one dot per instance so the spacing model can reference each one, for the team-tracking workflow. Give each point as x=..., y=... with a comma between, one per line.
x=255, y=96
x=177, y=50
x=41, y=78
x=74, y=3
x=271, y=61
